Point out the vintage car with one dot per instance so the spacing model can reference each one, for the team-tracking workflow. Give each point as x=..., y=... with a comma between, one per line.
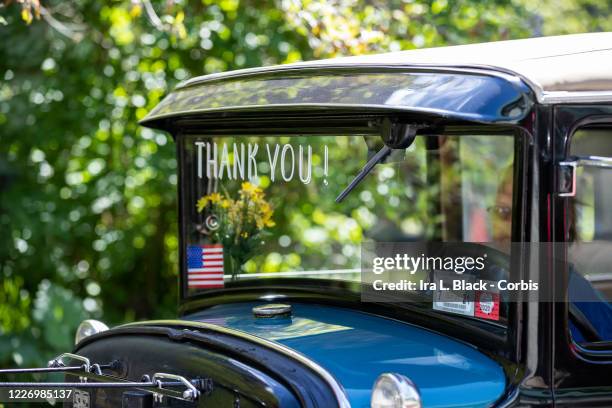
x=289, y=174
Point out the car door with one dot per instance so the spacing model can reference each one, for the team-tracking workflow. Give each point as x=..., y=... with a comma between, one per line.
x=582, y=366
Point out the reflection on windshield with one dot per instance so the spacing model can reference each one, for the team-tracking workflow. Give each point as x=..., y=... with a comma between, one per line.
x=258, y=207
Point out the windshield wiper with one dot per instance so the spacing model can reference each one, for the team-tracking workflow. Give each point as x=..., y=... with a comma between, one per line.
x=380, y=156
x=396, y=136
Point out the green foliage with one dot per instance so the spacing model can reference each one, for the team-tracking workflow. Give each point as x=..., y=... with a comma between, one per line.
x=91, y=197
x=87, y=197
x=55, y=315
x=555, y=17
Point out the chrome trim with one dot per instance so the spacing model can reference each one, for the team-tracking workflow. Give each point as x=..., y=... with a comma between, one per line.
x=584, y=161
x=271, y=297
x=190, y=394
x=566, y=97
x=594, y=161
x=272, y=310
x=339, y=392
x=300, y=274
x=572, y=165
x=57, y=361
x=600, y=277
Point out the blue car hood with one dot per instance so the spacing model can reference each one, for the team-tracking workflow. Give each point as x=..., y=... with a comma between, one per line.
x=357, y=347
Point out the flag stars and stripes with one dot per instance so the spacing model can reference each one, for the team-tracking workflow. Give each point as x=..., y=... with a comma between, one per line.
x=205, y=266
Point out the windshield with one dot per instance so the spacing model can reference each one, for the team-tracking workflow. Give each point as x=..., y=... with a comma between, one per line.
x=256, y=207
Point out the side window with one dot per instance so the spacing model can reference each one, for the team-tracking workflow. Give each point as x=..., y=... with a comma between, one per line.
x=589, y=231
x=486, y=188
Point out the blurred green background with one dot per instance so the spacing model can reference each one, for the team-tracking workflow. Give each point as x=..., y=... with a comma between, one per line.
x=88, y=198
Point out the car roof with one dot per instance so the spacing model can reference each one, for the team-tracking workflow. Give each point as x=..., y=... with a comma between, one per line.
x=560, y=69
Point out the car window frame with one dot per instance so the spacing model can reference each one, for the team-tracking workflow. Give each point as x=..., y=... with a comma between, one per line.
x=503, y=341
x=591, y=351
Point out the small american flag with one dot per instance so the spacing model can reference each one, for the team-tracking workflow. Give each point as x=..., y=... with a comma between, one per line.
x=205, y=266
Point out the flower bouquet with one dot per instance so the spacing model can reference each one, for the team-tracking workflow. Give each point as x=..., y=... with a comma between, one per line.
x=238, y=224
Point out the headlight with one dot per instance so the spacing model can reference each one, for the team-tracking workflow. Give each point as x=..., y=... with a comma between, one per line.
x=88, y=328
x=395, y=391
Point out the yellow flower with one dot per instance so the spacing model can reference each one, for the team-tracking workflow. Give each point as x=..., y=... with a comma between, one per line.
x=202, y=203
x=214, y=197
x=205, y=200
x=248, y=187
x=268, y=222
x=266, y=214
x=251, y=191
x=244, y=217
